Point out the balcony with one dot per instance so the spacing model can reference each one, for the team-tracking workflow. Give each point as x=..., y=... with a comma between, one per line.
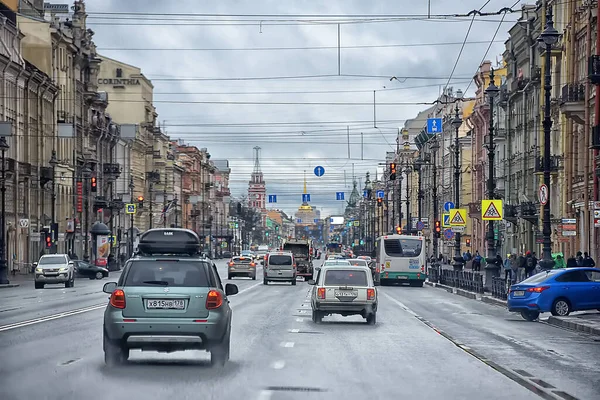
x=153, y=176
x=529, y=212
x=510, y=213
x=24, y=169
x=46, y=175
x=595, y=137
x=572, y=101
x=475, y=210
x=594, y=69
x=112, y=170
x=555, y=163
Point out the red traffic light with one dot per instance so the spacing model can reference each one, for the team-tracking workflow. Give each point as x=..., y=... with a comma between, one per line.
x=398, y=230
x=438, y=226
x=393, y=168
x=48, y=240
x=140, y=198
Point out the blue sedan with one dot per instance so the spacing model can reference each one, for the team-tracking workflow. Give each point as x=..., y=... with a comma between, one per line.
x=558, y=291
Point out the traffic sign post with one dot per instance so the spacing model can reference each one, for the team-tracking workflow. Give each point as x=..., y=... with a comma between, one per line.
x=448, y=234
x=316, y=220
x=543, y=195
x=434, y=125
x=319, y=171
x=448, y=206
x=272, y=198
x=365, y=193
x=380, y=194
x=339, y=195
x=298, y=221
x=446, y=220
x=458, y=217
x=131, y=208
x=420, y=225
x=491, y=210
x=306, y=198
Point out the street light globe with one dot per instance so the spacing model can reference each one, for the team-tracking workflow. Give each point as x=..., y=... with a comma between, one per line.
x=456, y=122
x=3, y=144
x=550, y=35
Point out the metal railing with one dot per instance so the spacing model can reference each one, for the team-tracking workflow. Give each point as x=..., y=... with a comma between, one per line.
x=466, y=280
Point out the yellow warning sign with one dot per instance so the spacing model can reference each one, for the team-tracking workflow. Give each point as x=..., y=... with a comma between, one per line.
x=491, y=210
x=458, y=217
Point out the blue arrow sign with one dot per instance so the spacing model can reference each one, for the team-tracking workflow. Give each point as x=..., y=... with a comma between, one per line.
x=380, y=194
x=272, y=198
x=339, y=195
x=365, y=193
x=434, y=125
x=448, y=234
x=305, y=198
x=319, y=171
x=448, y=206
x=299, y=221
x=316, y=220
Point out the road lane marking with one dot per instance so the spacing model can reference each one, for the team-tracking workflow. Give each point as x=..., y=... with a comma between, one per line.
x=249, y=288
x=52, y=317
x=399, y=303
x=287, y=344
x=294, y=330
x=300, y=319
x=278, y=364
x=265, y=395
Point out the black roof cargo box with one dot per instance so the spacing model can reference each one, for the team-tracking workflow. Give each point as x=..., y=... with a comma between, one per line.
x=169, y=241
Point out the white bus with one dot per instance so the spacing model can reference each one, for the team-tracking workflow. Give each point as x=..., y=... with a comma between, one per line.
x=400, y=258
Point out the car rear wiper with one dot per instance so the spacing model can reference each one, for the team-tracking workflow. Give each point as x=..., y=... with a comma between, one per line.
x=163, y=283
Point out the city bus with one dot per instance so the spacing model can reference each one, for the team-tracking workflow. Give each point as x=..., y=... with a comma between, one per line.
x=401, y=259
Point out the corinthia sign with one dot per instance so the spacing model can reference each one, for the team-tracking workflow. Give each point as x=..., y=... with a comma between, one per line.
x=118, y=81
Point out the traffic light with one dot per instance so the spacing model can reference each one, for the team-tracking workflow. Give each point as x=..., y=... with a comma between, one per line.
x=380, y=202
x=140, y=200
x=94, y=184
x=468, y=243
x=398, y=230
x=392, y=171
x=438, y=229
x=48, y=239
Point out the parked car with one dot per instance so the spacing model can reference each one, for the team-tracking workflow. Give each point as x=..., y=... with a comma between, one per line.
x=558, y=291
x=88, y=270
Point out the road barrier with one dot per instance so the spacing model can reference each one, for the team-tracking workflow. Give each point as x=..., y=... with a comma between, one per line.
x=466, y=280
x=499, y=288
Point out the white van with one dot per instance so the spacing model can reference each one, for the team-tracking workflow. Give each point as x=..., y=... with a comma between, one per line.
x=400, y=258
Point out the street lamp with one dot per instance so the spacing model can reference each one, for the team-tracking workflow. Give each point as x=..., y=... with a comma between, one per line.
x=434, y=147
x=369, y=228
x=547, y=38
x=407, y=171
x=491, y=268
x=53, y=162
x=456, y=124
x=417, y=165
x=3, y=263
x=87, y=173
x=131, y=187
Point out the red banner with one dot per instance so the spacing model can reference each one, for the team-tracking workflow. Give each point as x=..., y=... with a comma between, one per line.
x=79, y=197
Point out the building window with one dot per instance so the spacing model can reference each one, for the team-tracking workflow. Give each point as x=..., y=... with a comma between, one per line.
x=119, y=73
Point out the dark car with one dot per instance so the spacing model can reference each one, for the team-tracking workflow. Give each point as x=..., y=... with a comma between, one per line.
x=88, y=270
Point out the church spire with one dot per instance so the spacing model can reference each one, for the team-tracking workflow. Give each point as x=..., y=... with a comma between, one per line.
x=305, y=191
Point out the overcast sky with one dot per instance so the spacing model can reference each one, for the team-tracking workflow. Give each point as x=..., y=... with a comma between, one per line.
x=199, y=59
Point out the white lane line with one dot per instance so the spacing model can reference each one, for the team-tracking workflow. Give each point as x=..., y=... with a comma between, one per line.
x=265, y=395
x=287, y=344
x=299, y=319
x=294, y=330
x=278, y=364
x=249, y=288
x=65, y=314
x=402, y=306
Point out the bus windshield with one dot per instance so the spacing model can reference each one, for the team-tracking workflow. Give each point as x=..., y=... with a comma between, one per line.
x=403, y=247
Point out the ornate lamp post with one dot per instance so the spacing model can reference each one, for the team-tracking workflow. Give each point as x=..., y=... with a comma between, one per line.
x=434, y=147
x=3, y=263
x=53, y=163
x=456, y=124
x=547, y=38
x=87, y=174
x=417, y=166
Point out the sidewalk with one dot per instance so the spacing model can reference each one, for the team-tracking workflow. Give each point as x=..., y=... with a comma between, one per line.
x=486, y=297
x=17, y=280
x=587, y=323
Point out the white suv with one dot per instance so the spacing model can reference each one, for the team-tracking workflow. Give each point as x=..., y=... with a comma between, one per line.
x=54, y=268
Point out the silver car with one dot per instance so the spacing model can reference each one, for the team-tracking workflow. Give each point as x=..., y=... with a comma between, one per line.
x=54, y=268
x=280, y=267
x=346, y=291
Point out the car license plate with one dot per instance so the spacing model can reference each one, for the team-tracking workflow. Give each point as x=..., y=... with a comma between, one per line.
x=345, y=293
x=519, y=293
x=402, y=277
x=166, y=304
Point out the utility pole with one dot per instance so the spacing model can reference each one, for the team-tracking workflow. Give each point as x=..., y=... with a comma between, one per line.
x=131, y=187
x=491, y=91
x=456, y=123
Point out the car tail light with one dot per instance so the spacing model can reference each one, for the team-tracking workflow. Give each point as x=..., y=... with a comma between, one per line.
x=321, y=293
x=231, y=264
x=214, y=299
x=538, y=289
x=252, y=264
x=422, y=268
x=117, y=298
x=370, y=294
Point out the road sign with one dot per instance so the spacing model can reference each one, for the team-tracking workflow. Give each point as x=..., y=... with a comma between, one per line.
x=298, y=221
x=448, y=234
x=356, y=223
x=365, y=193
x=448, y=206
x=491, y=210
x=420, y=225
x=272, y=198
x=305, y=198
x=458, y=217
x=434, y=125
x=458, y=229
x=446, y=220
x=24, y=223
x=319, y=171
x=130, y=208
x=380, y=194
x=543, y=195
x=339, y=195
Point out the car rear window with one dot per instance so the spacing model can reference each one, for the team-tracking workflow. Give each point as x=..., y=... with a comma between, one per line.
x=540, y=277
x=345, y=277
x=403, y=247
x=360, y=263
x=242, y=260
x=276, y=259
x=171, y=273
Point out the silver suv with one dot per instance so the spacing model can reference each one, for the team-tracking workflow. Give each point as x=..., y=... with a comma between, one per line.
x=54, y=268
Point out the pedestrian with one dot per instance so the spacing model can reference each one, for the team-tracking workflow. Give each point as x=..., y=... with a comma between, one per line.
x=476, y=261
x=530, y=264
x=588, y=261
x=514, y=265
x=559, y=262
x=508, y=268
x=579, y=259
x=571, y=262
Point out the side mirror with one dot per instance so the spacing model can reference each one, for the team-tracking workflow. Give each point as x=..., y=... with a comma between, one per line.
x=109, y=287
x=312, y=282
x=231, y=289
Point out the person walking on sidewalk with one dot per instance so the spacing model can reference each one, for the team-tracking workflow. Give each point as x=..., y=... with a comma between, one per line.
x=476, y=262
x=530, y=264
x=571, y=262
x=588, y=261
x=579, y=259
x=559, y=263
x=508, y=268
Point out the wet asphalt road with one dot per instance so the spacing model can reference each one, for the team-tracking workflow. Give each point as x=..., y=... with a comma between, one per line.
x=279, y=353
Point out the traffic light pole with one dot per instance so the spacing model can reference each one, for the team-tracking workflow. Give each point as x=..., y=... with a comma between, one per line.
x=435, y=202
x=150, y=192
x=131, y=187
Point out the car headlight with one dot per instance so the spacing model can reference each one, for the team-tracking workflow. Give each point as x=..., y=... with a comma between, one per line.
x=64, y=269
x=39, y=270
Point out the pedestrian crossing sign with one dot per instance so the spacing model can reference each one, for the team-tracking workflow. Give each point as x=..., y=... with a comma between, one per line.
x=491, y=210
x=446, y=220
x=458, y=217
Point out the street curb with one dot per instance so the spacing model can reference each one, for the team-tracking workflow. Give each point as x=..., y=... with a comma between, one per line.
x=469, y=295
x=10, y=285
x=569, y=323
